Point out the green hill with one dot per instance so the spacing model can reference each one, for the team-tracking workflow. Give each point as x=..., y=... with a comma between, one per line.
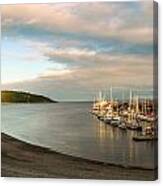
x=8, y=96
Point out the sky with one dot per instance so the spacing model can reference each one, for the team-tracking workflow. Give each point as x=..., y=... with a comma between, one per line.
x=70, y=51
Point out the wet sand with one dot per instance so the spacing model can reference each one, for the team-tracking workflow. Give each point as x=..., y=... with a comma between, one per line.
x=21, y=159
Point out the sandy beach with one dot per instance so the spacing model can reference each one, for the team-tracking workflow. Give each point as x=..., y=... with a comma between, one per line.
x=21, y=159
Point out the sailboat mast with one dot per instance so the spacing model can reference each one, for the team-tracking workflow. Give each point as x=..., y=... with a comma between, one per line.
x=142, y=106
x=100, y=95
x=137, y=104
x=130, y=102
x=111, y=94
x=123, y=96
x=145, y=106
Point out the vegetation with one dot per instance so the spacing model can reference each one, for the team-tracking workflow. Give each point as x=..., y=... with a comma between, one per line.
x=8, y=96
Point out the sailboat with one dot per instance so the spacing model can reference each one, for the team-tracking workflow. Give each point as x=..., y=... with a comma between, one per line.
x=109, y=114
x=111, y=117
x=132, y=123
x=116, y=119
x=102, y=107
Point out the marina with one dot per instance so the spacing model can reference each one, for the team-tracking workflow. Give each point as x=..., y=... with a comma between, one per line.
x=128, y=114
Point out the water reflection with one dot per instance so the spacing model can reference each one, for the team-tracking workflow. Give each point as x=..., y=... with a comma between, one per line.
x=71, y=129
x=102, y=132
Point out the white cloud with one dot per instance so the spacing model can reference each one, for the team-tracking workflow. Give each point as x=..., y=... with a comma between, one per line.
x=104, y=20
x=76, y=67
x=55, y=73
x=74, y=51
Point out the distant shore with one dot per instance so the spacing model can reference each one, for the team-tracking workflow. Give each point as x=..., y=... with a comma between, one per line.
x=10, y=96
x=21, y=159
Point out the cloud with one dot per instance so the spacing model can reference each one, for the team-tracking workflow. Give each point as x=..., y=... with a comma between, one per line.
x=82, y=83
x=55, y=73
x=104, y=20
x=91, y=58
x=73, y=51
x=89, y=46
x=101, y=71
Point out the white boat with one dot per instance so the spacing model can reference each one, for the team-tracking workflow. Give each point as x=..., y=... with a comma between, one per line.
x=134, y=125
x=116, y=121
x=122, y=126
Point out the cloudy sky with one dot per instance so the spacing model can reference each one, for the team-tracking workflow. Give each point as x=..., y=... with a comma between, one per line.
x=69, y=51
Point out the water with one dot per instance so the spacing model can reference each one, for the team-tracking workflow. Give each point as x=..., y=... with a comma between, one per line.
x=70, y=128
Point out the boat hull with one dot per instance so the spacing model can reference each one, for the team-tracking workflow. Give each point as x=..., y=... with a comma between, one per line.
x=145, y=138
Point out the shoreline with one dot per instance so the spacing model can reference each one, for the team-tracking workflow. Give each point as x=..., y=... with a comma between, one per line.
x=21, y=159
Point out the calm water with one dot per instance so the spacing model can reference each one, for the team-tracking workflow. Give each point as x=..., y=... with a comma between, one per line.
x=70, y=128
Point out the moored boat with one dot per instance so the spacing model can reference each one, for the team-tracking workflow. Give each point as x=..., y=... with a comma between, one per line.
x=145, y=138
x=132, y=114
x=109, y=114
x=122, y=126
x=107, y=119
x=116, y=121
